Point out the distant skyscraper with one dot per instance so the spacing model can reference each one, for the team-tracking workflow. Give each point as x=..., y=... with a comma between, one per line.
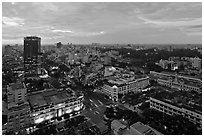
x=32, y=55
x=59, y=45
x=170, y=48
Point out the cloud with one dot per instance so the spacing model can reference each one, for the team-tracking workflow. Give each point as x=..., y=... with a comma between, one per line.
x=46, y=6
x=196, y=26
x=87, y=34
x=192, y=30
x=77, y=33
x=62, y=31
x=173, y=23
x=105, y=22
x=14, y=21
x=53, y=37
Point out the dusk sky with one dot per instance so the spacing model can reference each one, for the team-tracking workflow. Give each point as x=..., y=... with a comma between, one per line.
x=103, y=22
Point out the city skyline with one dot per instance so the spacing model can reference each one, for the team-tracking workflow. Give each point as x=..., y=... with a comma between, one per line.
x=81, y=22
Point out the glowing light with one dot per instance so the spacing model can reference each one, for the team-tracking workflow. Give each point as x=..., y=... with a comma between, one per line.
x=59, y=104
x=49, y=117
x=59, y=112
x=76, y=108
x=44, y=76
x=39, y=120
x=82, y=105
x=68, y=111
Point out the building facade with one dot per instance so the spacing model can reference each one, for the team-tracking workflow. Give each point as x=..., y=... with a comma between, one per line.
x=178, y=82
x=18, y=118
x=18, y=109
x=16, y=92
x=32, y=55
x=113, y=88
x=170, y=109
x=51, y=104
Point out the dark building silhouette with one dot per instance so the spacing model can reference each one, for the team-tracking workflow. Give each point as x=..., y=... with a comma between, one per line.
x=59, y=45
x=32, y=55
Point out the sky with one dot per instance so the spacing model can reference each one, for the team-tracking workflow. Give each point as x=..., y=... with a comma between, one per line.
x=103, y=22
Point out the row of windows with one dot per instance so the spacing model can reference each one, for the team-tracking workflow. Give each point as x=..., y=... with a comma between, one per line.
x=134, y=85
x=160, y=106
x=185, y=87
x=171, y=113
x=53, y=108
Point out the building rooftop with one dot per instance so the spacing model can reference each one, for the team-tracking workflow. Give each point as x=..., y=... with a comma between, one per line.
x=50, y=97
x=117, y=125
x=31, y=37
x=135, y=129
x=120, y=81
x=16, y=86
x=37, y=100
x=145, y=129
x=102, y=127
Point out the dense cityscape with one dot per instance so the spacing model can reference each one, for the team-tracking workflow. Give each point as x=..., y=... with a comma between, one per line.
x=80, y=89
x=67, y=88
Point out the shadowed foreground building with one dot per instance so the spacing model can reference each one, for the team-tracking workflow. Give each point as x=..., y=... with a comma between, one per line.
x=18, y=109
x=178, y=103
x=120, y=127
x=27, y=112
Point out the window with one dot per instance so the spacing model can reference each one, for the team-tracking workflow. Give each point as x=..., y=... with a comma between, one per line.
x=11, y=117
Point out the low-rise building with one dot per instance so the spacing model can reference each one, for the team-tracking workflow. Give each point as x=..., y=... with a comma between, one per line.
x=115, y=86
x=176, y=103
x=196, y=62
x=138, y=128
x=178, y=82
x=49, y=104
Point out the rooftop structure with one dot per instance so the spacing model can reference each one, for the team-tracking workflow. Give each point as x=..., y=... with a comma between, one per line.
x=15, y=86
x=120, y=128
x=50, y=97
x=124, y=79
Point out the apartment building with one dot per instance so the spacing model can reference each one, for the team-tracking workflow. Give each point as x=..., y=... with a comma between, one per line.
x=18, y=109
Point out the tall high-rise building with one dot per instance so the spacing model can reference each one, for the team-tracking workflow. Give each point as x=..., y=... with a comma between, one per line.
x=32, y=55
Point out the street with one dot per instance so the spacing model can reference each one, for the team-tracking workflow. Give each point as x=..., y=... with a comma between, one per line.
x=95, y=105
